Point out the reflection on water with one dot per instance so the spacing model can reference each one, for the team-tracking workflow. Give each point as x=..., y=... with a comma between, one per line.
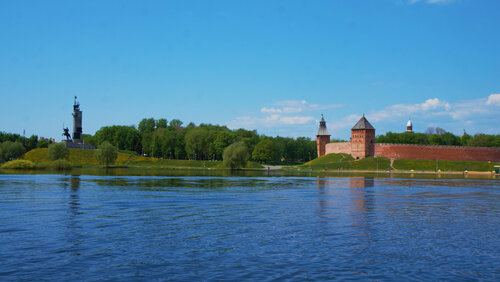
x=66, y=227
x=73, y=230
x=182, y=172
x=74, y=182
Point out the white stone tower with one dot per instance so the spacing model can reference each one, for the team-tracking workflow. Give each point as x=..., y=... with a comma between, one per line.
x=409, y=126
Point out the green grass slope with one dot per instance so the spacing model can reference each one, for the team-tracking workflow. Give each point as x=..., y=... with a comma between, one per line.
x=430, y=165
x=347, y=162
x=87, y=158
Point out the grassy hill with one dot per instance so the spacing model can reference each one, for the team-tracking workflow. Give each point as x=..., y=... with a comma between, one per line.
x=347, y=162
x=87, y=158
x=430, y=165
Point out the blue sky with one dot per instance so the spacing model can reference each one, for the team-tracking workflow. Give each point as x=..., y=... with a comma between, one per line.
x=274, y=66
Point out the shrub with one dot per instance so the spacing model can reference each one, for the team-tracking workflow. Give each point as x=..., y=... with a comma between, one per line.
x=11, y=150
x=235, y=155
x=106, y=153
x=18, y=164
x=60, y=165
x=57, y=151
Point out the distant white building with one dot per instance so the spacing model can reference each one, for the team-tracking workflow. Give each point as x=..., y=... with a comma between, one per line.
x=409, y=126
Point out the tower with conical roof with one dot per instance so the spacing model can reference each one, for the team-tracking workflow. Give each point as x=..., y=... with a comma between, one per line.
x=362, y=139
x=409, y=126
x=323, y=137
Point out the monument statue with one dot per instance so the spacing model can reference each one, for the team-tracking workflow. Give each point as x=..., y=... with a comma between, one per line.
x=77, y=141
x=66, y=134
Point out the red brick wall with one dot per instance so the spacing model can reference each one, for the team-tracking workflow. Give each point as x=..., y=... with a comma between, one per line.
x=338, y=147
x=422, y=152
x=452, y=153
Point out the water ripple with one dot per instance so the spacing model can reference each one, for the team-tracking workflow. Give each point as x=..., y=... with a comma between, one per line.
x=247, y=228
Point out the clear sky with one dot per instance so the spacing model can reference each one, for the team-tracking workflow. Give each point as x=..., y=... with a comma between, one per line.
x=274, y=66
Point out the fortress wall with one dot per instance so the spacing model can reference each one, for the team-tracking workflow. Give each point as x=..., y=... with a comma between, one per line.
x=338, y=147
x=422, y=152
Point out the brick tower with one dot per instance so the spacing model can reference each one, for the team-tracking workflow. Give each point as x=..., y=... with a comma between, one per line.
x=323, y=137
x=362, y=139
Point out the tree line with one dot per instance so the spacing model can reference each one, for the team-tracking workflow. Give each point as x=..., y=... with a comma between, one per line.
x=438, y=136
x=173, y=140
x=13, y=146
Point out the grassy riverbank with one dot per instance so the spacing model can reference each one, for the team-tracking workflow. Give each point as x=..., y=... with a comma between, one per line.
x=346, y=162
x=87, y=158
x=332, y=162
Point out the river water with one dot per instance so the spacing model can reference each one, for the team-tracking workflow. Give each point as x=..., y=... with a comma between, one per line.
x=97, y=227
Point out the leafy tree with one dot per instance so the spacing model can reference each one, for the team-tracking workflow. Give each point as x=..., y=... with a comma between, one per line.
x=465, y=139
x=147, y=141
x=175, y=123
x=265, y=151
x=251, y=138
x=43, y=143
x=147, y=125
x=106, y=153
x=167, y=141
x=32, y=142
x=481, y=140
x=161, y=123
x=11, y=150
x=450, y=139
x=222, y=140
x=57, y=151
x=156, y=146
x=123, y=137
x=196, y=143
x=180, y=143
x=236, y=155
x=89, y=139
x=495, y=140
x=28, y=143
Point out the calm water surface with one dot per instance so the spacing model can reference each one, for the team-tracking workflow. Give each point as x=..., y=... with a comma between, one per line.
x=84, y=227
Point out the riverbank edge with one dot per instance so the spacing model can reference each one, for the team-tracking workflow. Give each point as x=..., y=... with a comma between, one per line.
x=268, y=169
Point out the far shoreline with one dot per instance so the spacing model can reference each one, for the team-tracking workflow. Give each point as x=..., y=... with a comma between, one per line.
x=247, y=172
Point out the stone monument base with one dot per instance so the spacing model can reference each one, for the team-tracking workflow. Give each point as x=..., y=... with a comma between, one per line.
x=73, y=145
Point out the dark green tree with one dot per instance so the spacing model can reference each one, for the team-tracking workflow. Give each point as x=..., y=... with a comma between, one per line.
x=32, y=143
x=265, y=151
x=123, y=137
x=89, y=139
x=43, y=143
x=196, y=143
x=106, y=153
x=481, y=140
x=175, y=123
x=222, y=141
x=465, y=139
x=11, y=150
x=236, y=155
x=147, y=125
x=57, y=151
x=161, y=123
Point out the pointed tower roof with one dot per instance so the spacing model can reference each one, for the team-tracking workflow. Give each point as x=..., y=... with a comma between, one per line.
x=409, y=123
x=322, y=127
x=363, y=124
